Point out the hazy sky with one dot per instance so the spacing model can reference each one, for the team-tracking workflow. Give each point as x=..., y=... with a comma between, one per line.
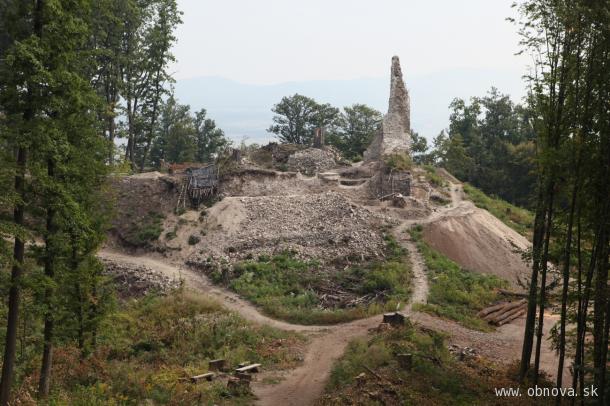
x=273, y=41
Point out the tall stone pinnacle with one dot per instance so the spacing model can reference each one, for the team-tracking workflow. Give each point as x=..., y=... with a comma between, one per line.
x=399, y=103
x=394, y=136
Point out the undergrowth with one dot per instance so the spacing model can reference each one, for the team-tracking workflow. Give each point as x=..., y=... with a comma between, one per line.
x=433, y=177
x=436, y=377
x=519, y=219
x=455, y=293
x=147, y=350
x=146, y=229
x=289, y=288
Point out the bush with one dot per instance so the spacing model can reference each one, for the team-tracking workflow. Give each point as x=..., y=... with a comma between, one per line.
x=399, y=162
x=193, y=239
x=146, y=349
x=146, y=230
x=433, y=177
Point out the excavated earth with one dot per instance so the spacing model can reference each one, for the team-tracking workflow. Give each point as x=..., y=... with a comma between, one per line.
x=327, y=216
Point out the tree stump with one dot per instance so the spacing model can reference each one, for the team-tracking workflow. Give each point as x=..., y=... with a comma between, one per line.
x=217, y=365
x=405, y=361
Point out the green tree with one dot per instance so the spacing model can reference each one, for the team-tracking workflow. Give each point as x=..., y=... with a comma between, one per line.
x=569, y=96
x=175, y=140
x=357, y=126
x=297, y=116
x=210, y=139
x=56, y=127
x=420, y=149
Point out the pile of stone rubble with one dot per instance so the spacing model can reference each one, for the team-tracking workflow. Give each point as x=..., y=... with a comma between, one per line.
x=137, y=280
x=326, y=227
x=311, y=161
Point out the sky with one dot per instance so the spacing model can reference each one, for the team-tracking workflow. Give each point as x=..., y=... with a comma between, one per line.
x=275, y=41
x=237, y=58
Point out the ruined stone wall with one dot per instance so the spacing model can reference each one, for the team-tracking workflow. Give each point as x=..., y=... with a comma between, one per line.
x=394, y=135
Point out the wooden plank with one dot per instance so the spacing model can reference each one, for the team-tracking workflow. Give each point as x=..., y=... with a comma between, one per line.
x=249, y=368
x=207, y=376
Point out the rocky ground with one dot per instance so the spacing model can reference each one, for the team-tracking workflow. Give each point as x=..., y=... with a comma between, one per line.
x=133, y=280
x=326, y=227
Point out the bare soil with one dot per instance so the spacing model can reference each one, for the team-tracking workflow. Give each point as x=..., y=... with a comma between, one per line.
x=290, y=206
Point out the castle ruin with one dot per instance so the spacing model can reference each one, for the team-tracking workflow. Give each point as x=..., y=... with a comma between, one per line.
x=394, y=135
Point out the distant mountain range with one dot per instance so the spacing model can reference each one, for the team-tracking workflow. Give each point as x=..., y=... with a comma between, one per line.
x=244, y=110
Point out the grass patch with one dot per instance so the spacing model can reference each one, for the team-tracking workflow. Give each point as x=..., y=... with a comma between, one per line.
x=146, y=350
x=399, y=161
x=436, y=377
x=433, y=177
x=292, y=289
x=519, y=219
x=145, y=230
x=456, y=293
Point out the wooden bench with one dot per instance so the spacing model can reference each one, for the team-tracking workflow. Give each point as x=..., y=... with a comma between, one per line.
x=248, y=368
x=207, y=376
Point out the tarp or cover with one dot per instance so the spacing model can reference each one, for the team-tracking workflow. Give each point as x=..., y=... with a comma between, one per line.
x=200, y=178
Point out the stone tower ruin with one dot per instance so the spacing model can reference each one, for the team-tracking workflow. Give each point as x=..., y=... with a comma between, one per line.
x=394, y=135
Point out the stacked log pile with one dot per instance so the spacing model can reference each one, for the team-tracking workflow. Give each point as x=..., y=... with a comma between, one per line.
x=504, y=313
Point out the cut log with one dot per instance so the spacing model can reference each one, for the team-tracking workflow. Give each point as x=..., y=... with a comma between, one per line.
x=394, y=319
x=237, y=386
x=405, y=361
x=510, y=293
x=500, y=316
x=497, y=310
x=491, y=309
x=243, y=375
x=216, y=365
x=208, y=377
x=513, y=317
x=506, y=315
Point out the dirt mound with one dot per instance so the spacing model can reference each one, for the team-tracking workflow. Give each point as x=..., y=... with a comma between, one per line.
x=480, y=242
x=142, y=202
x=324, y=226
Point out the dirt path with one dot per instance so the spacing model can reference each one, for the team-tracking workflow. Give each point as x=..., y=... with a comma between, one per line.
x=305, y=384
x=200, y=284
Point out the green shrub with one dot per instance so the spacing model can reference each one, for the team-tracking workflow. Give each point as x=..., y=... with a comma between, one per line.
x=399, y=161
x=193, y=239
x=146, y=349
x=433, y=177
x=146, y=230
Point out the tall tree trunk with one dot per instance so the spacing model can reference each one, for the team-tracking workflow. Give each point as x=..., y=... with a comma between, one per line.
x=544, y=265
x=567, y=255
x=49, y=270
x=530, y=323
x=19, y=247
x=16, y=272
x=599, y=309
